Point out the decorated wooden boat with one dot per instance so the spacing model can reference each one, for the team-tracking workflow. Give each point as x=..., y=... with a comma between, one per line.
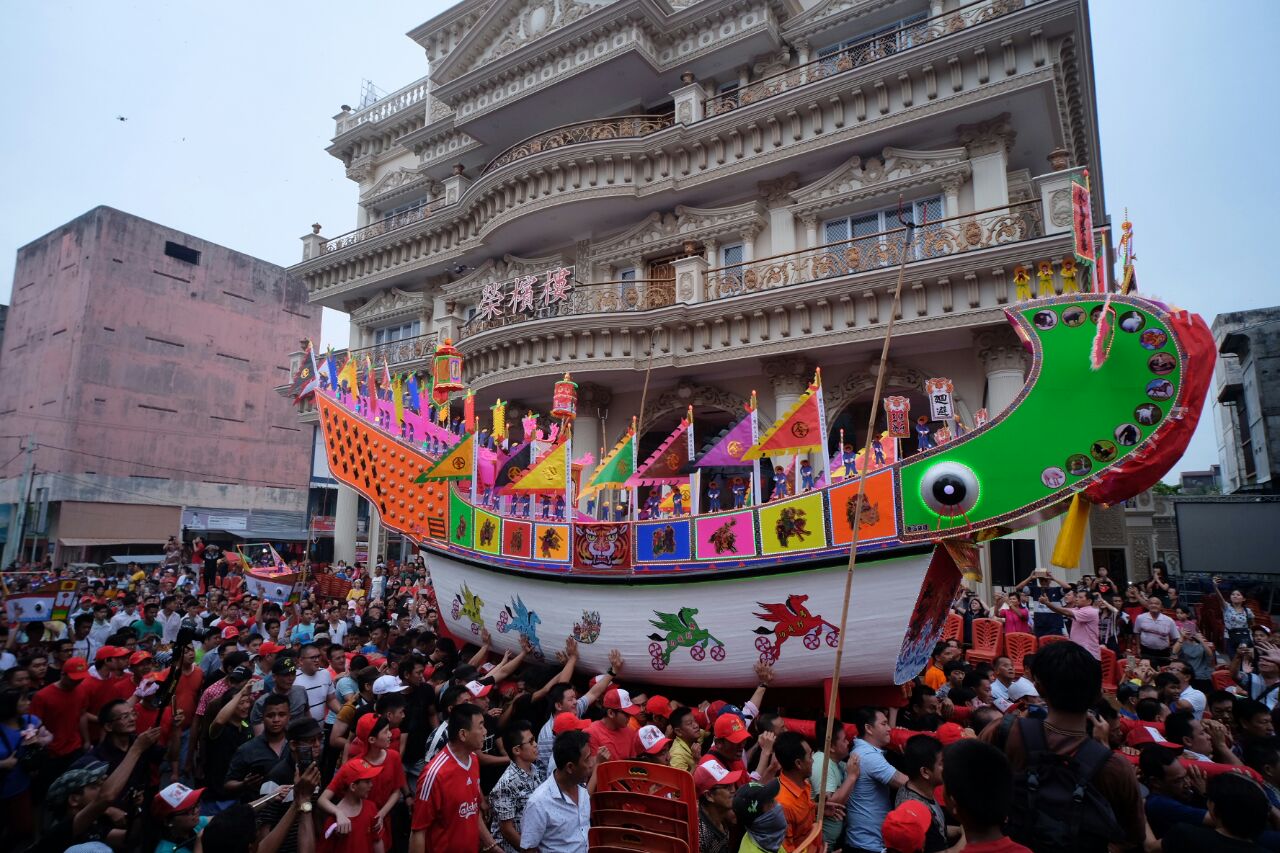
x=698, y=600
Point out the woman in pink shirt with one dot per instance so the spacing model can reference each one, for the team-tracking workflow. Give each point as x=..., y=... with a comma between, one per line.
x=1013, y=609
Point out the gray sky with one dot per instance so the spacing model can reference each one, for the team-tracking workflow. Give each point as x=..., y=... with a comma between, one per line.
x=230, y=106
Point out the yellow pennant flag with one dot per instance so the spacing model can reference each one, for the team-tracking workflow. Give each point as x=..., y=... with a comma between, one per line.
x=397, y=398
x=348, y=375
x=456, y=464
x=548, y=475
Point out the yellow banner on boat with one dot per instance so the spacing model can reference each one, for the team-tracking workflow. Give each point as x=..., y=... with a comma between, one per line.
x=548, y=475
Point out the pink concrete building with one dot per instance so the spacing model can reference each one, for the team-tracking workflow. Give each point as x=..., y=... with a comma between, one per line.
x=143, y=362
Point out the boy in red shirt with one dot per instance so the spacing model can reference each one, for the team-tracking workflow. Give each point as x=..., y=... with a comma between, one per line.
x=353, y=828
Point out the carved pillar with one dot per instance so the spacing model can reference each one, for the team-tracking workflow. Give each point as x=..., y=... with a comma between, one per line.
x=691, y=277
x=810, y=221
x=376, y=536
x=1055, y=192
x=712, y=253
x=344, y=525
x=782, y=224
x=749, y=235
x=1004, y=361
x=802, y=58
x=951, y=195
x=989, y=143
x=689, y=100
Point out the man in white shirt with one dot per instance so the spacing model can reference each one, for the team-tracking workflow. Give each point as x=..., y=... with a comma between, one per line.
x=1002, y=686
x=335, y=627
x=1175, y=688
x=1156, y=633
x=321, y=696
x=101, y=626
x=127, y=615
x=169, y=618
x=558, y=813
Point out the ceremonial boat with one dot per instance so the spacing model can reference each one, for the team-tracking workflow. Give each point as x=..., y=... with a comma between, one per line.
x=699, y=599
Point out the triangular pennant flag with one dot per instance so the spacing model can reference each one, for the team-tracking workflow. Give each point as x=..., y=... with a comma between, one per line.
x=397, y=398
x=349, y=376
x=549, y=474
x=514, y=467
x=616, y=467
x=456, y=464
x=730, y=448
x=798, y=431
x=665, y=466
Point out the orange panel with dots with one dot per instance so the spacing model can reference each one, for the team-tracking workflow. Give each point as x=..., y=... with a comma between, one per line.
x=383, y=470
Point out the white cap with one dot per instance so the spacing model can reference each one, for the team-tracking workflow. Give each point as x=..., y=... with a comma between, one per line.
x=477, y=689
x=652, y=739
x=388, y=684
x=1021, y=689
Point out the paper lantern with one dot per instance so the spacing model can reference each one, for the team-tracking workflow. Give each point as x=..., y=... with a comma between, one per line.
x=446, y=371
x=564, y=401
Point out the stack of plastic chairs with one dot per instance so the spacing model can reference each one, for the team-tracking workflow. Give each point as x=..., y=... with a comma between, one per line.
x=1017, y=646
x=651, y=808
x=1110, y=680
x=953, y=627
x=988, y=641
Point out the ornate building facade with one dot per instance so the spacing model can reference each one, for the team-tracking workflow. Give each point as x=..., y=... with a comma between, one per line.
x=724, y=182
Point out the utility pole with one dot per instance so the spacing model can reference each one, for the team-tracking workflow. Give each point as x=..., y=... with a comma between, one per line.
x=17, y=525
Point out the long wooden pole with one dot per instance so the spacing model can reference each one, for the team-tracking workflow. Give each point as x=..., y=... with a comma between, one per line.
x=857, y=520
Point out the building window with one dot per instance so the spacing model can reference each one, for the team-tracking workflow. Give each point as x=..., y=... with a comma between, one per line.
x=868, y=234
x=391, y=334
x=405, y=208
x=182, y=253
x=875, y=44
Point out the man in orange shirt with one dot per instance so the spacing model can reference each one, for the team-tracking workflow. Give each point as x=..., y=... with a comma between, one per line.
x=942, y=653
x=795, y=757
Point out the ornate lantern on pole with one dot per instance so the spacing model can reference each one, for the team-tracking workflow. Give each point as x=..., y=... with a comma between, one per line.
x=446, y=372
x=564, y=401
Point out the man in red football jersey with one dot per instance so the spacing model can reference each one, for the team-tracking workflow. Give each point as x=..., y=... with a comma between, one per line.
x=446, y=811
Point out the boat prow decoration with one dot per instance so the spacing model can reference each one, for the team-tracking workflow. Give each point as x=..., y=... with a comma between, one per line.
x=699, y=599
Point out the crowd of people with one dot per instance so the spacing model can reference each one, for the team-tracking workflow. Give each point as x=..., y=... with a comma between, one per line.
x=174, y=712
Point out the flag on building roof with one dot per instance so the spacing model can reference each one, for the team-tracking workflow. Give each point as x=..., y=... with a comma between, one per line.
x=617, y=466
x=457, y=464
x=668, y=465
x=729, y=448
x=549, y=474
x=801, y=429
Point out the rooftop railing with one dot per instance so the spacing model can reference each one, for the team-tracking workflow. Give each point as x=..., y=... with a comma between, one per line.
x=618, y=127
x=401, y=99
x=952, y=236
x=403, y=351
x=871, y=49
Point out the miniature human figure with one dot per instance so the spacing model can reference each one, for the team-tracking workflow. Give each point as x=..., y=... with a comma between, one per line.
x=560, y=507
x=779, y=483
x=806, y=475
x=677, y=502
x=739, y=489
x=923, y=440
x=525, y=503
x=713, y=496
x=546, y=506
x=849, y=459
x=653, y=504
x=878, y=450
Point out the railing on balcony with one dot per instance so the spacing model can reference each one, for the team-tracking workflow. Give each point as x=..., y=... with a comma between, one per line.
x=402, y=99
x=403, y=351
x=952, y=236
x=869, y=50
x=601, y=297
x=619, y=127
x=382, y=226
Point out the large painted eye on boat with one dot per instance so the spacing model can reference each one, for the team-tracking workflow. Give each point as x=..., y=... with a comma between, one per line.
x=949, y=488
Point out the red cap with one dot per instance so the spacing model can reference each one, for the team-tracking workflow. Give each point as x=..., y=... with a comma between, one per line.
x=658, y=706
x=652, y=739
x=109, y=652
x=711, y=774
x=357, y=769
x=270, y=648
x=714, y=709
x=175, y=798
x=76, y=668
x=567, y=721
x=949, y=733
x=230, y=632
x=701, y=717
x=905, y=827
x=364, y=726
x=731, y=728
x=139, y=657
x=617, y=699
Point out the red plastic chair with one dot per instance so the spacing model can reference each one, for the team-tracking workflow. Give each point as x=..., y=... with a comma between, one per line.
x=988, y=640
x=953, y=627
x=641, y=777
x=1017, y=647
x=640, y=820
x=1110, y=680
x=633, y=839
x=623, y=801
x=1041, y=642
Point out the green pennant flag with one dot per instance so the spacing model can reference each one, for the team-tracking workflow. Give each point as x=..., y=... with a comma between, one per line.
x=616, y=467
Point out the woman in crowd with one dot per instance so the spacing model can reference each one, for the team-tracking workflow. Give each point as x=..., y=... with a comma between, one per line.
x=1237, y=619
x=22, y=737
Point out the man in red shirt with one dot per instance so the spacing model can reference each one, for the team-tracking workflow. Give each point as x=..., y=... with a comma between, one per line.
x=614, y=732
x=730, y=733
x=446, y=811
x=59, y=706
x=105, y=683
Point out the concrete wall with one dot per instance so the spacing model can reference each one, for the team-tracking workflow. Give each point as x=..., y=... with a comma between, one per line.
x=120, y=355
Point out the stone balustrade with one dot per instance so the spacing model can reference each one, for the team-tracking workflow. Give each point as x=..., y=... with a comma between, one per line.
x=399, y=100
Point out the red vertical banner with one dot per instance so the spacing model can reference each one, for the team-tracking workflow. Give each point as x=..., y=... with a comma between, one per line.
x=897, y=412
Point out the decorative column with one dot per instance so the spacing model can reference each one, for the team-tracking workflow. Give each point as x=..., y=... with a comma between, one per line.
x=456, y=184
x=951, y=195
x=689, y=100
x=375, y=536
x=313, y=243
x=782, y=223
x=810, y=221
x=749, y=235
x=989, y=143
x=1055, y=192
x=691, y=274
x=593, y=406
x=1004, y=361
x=344, y=525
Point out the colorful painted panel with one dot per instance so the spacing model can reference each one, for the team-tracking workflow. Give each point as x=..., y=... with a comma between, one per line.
x=461, y=522
x=793, y=525
x=725, y=536
x=878, y=520
x=604, y=547
x=663, y=540
x=552, y=542
x=487, y=528
x=517, y=539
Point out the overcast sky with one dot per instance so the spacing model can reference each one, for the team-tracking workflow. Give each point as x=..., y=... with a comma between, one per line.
x=229, y=107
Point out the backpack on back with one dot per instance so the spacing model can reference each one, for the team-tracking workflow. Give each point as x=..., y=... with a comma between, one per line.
x=1056, y=806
